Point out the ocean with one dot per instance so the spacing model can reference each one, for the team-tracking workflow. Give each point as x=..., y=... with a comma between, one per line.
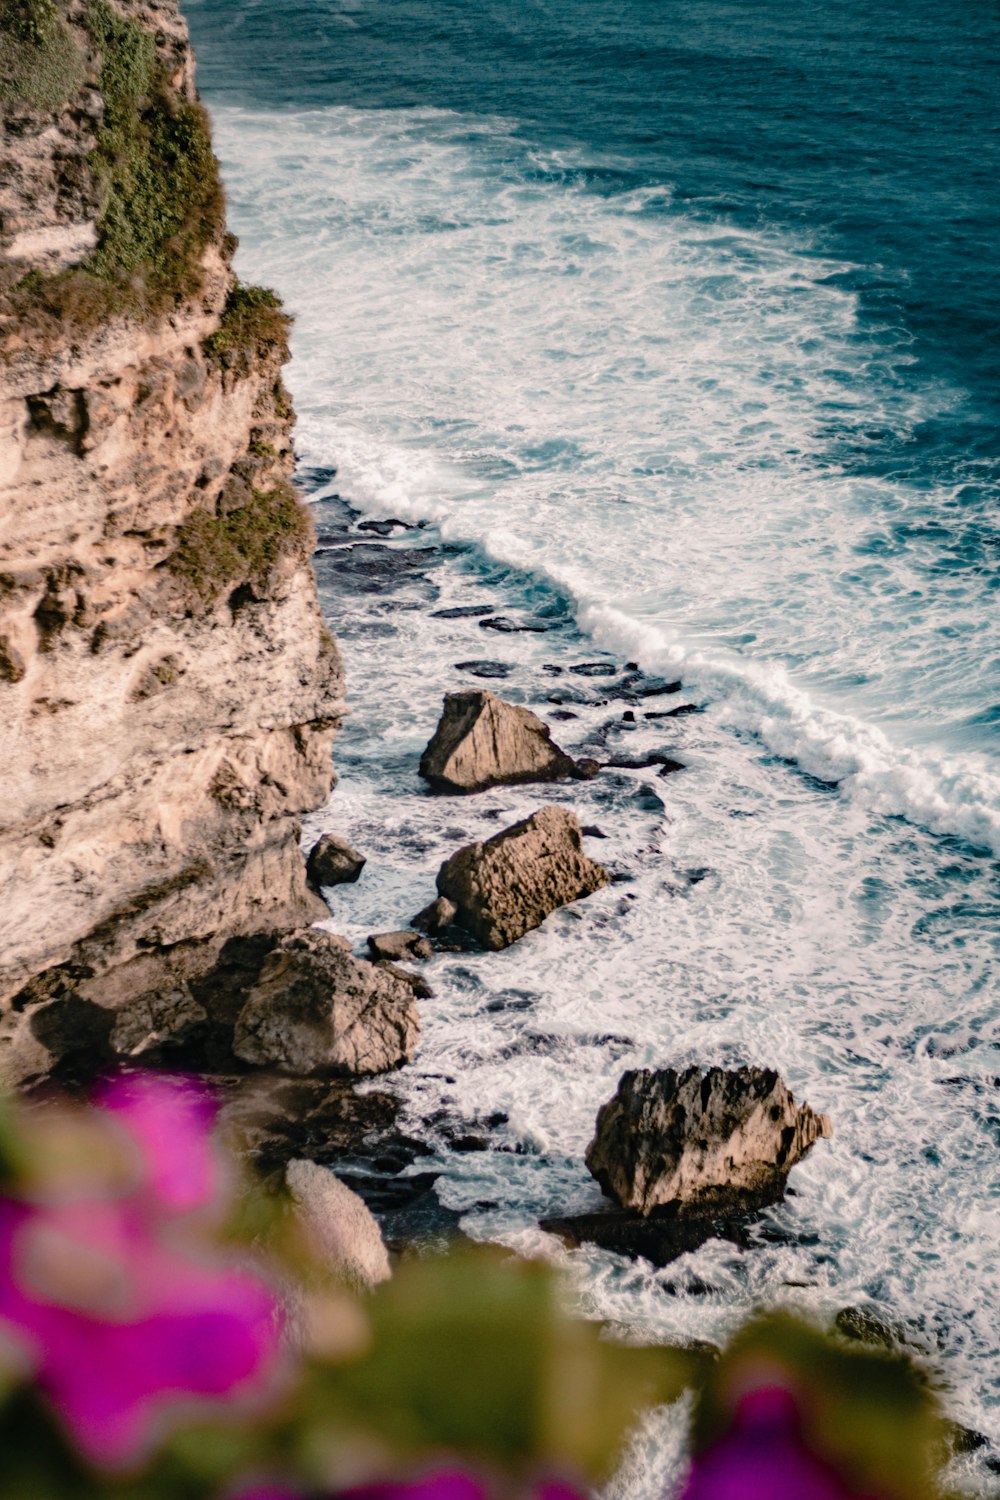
x=669, y=332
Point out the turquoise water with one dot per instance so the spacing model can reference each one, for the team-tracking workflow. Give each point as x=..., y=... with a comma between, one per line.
x=678, y=323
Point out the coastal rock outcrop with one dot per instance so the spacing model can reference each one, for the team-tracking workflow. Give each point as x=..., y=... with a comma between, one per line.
x=168, y=689
x=701, y=1142
x=317, y=1009
x=509, y=885
x=332, y=861
x=481, y=741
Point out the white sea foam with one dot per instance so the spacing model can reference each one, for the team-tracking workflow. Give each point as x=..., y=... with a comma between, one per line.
x=651, y=414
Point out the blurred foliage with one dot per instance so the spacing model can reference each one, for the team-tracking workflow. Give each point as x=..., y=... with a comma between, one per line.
x=870, y=1413
x=473, y=1354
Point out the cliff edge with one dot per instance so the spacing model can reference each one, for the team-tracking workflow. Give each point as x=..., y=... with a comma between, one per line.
x=168, y=690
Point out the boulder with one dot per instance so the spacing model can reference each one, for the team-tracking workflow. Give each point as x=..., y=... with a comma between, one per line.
x=435, y=917
x=397, y=947
x=481, y=741
x=510, y=884
x=316, y=1008
x=340, y=1227
x=700, y=1142
x=332, y=861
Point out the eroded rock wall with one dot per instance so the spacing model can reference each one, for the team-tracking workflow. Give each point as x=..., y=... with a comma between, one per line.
x=168, y=691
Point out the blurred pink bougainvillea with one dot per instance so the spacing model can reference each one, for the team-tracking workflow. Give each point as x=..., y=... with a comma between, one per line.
x=107, y=1285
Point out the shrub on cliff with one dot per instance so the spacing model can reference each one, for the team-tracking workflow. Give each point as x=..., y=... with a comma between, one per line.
x=215, y=552
x=253, y=325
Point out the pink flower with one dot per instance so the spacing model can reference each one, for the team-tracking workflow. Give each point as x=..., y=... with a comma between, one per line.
x=110, y=1292
x=763, y=1457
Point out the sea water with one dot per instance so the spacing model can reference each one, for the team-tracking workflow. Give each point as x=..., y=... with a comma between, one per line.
x=674, y=324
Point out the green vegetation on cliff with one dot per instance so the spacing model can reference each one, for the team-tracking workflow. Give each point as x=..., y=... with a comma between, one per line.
x=40, y=62
x=253, y=325
x=214, y=552
x=161, y=201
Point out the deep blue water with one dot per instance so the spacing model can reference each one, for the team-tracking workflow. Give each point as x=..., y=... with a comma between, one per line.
x=876, y=127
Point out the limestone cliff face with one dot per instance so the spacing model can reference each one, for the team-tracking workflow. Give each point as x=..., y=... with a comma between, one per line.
x=168, y=691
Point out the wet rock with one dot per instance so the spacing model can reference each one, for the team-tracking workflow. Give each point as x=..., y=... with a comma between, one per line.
x=657, y=1239
x=640, y=686
x=866, y=1326
x=666, y=763
x=587, y=768
x=506, y=626
x=332, y=861
x=416, y=982
x=372, y=567
x=397, y=947
x=316, y=1008
x=462, y=612
x=485, y=668
x=341, y=1230
x=435, y=917
x=591, y=831
x=481, y=741
x=700, y=1142
x=509, y=885
x=595, y=669
x=680, y=712
x=383, y=528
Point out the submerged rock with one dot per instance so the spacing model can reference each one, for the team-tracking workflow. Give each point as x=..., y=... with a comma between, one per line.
x=332, y=861
x=317, y=1008
x=509, y=885
x=700, y=1143
x=481, y=741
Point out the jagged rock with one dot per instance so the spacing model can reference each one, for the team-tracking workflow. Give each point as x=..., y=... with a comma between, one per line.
x=397, y=947
x=510, y=884
x=341, y=1228
x=700, y=1142
x=481, y=741
x=332, y=861
x=435, y=917
x=316, y=1008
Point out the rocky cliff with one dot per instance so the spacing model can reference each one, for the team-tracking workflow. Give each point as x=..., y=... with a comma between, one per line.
x=168, y=690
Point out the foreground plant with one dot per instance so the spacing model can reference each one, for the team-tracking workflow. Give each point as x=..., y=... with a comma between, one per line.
x=145, y=1352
